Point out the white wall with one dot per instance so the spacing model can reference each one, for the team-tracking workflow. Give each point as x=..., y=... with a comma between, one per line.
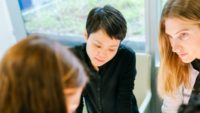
x=11, y=25
x=6, y=31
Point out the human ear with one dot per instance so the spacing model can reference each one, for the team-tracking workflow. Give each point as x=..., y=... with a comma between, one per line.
x=85, y=36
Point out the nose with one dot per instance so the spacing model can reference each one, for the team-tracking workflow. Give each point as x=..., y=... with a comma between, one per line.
x=102, y=53
x=176, y=47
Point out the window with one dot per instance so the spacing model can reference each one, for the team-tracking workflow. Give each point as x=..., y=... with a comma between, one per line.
x=67, y=18
x=157, y=56
x=163, y=2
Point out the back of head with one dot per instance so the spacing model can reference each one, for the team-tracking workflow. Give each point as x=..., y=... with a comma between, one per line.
x=31, y=76
x=108, y=19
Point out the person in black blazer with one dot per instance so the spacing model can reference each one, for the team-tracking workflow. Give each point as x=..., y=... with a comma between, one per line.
x=111, y=65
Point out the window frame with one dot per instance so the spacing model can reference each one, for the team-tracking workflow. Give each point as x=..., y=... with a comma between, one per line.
x=16, y=19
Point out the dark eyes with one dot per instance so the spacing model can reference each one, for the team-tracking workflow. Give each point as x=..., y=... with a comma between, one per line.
x=111, y=50
x=98, y=46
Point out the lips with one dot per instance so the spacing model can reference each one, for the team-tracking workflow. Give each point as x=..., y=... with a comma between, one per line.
x=182, y=54
x=99, y=60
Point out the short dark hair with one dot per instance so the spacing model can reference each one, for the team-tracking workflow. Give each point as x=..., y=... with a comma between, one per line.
x=108, y=19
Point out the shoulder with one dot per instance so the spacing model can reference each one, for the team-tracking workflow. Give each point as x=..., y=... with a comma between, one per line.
x=78, y=50
x=193, y=75
x=126, y=52
x=78, y=47
x=125, y=56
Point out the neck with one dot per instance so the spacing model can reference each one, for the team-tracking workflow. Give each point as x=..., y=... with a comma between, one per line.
x=95, y=67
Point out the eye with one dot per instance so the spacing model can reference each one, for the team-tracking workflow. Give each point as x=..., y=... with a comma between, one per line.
x=114, y=49
x=111, y=50
x=183, y=36
x=97, y=46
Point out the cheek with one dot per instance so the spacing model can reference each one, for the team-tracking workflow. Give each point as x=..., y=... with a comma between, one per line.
x=194, y=50
x=193, y=46
x=89, y=49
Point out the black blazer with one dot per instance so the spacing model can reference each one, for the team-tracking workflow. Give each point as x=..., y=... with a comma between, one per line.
x=110, y=89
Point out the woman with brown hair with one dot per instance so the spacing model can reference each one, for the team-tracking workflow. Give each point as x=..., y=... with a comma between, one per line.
x=179, y=42
x=37, y=75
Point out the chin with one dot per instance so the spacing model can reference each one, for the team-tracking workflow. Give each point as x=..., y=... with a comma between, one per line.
x=99, y=64
x=187, y=60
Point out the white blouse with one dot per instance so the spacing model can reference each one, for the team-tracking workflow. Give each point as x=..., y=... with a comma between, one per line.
x=182, y=96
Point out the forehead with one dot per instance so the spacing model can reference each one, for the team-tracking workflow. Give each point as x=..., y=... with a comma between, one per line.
x=101, y=37
x=173, y=25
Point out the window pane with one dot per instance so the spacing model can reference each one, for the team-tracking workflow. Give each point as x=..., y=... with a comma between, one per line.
x=157, y=52
x=163, y=2
x=67, y=18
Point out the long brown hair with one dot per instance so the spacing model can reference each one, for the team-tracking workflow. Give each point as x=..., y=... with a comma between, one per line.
x=33, y=74
x=173, y=72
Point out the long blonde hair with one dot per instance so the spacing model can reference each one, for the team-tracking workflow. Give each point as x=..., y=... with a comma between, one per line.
x=173, y=72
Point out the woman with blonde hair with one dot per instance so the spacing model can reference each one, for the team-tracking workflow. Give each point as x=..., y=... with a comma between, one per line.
x=38, y=75
x=179, y=42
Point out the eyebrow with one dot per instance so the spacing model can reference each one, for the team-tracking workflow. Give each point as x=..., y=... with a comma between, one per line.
x=97, y=41
x=177, y=32
x=101, y=43
x=181, y=31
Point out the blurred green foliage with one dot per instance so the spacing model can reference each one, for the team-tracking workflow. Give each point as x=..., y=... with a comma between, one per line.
x=69, y=16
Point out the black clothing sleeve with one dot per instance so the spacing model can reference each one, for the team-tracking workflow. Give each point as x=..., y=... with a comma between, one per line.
x=126, y=102
x=80, y=107
x=109, y=90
